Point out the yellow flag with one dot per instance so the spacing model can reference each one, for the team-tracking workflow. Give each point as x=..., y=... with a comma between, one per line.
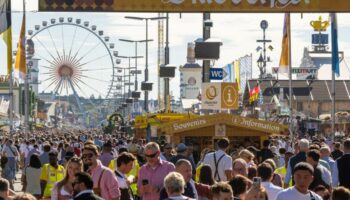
x=284, y=60
x=237, y=65
x=5, y=30
x=20, y=65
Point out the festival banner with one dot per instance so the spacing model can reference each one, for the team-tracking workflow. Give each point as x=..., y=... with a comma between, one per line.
x=196, y=6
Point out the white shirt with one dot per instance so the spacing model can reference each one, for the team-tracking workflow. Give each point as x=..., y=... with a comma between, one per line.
x=224, y=164
x=294, y=194
x=271, y=190
x=178, y=198
x=122, y=180
x=84, y=192
x=281, y=161
x=27, y=149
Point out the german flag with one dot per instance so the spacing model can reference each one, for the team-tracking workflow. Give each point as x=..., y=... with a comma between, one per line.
x=254, y=94
x=6, y=30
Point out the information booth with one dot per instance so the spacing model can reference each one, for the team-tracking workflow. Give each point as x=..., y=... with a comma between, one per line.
x=204, y=130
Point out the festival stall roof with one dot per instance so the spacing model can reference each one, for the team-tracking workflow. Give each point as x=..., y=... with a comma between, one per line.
x=235, y=126
x=319, y=90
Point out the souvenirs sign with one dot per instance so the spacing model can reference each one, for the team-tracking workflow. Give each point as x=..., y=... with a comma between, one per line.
x=221, y=121
x=196, y=5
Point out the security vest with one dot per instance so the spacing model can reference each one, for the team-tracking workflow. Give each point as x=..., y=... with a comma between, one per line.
x=51, y=175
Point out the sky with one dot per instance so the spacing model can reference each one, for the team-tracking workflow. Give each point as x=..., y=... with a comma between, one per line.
x=238, y=32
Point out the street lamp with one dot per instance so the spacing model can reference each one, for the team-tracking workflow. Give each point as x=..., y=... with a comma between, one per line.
x=146, y=69
x=261, y=66
x=136, y=42
x=263, y=59
x=129, y=58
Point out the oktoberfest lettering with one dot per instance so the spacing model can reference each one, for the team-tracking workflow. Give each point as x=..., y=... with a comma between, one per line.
x=273, y=3
x=189, y=124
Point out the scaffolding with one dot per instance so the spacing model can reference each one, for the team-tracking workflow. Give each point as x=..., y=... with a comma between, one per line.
x=161, y=61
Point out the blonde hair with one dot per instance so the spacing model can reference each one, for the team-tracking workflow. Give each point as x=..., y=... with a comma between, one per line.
x=246, y=154
x=174, y=183
x=76, y=160
x=152, y=146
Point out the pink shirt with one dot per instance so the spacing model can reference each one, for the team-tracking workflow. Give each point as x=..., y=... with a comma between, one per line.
x=109, y=184
x=155, y=177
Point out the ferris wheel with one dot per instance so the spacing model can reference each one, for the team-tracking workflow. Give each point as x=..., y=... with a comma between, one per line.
x=75, y=59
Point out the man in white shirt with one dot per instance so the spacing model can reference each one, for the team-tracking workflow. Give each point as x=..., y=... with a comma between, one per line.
x=219, y=162
x=265, y=171
x=125, y=163
x=303, y=177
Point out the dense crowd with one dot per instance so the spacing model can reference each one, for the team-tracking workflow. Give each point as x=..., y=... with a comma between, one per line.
x=86, y=164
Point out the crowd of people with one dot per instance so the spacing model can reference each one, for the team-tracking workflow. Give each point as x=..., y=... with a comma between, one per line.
x=89, y=165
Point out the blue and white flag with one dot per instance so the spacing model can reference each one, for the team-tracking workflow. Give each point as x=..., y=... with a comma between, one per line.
x=335, y=50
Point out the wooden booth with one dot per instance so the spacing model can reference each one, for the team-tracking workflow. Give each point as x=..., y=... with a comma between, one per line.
x=204, y=130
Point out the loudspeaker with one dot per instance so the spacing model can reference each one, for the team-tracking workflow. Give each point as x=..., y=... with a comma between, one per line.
x=146, y=86
x=167, y=72
x=135, y=95
x=207, y=50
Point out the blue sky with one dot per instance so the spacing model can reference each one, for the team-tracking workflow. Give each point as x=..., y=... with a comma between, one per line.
x=238, y=33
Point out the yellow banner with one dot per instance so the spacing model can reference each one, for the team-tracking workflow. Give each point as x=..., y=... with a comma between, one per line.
x=197, y=5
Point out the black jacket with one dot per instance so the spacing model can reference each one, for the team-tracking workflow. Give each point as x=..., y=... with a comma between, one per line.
x=343, y=164
x=88, y=196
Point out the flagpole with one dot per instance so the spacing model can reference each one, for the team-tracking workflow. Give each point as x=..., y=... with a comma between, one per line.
x=26, y=84
x=290, y=77
x=333, y=105
x=11, y=99
x=11, y=85
x=335, y=66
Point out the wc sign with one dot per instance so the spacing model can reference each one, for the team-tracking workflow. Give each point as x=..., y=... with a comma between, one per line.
x=216, y=74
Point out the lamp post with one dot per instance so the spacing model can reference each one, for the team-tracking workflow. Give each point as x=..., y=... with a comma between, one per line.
x=263, y=25
x=262, y=66
x=146, y=67
x=129, y=78
x=136, y=42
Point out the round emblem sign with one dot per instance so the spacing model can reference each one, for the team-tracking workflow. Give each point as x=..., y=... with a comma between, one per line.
x=191, y=81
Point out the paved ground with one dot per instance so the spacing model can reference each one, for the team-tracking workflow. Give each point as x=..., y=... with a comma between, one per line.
x=18, y=184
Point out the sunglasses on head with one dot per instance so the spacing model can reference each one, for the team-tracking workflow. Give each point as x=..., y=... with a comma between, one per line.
x=75, y=159
x=87, y=155
x=151, y=155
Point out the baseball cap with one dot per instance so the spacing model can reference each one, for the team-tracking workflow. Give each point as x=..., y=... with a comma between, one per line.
x=181, y=148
